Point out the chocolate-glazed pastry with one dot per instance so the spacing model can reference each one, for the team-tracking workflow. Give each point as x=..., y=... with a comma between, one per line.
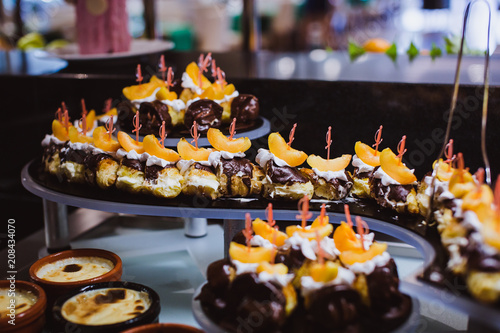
x=152, y=115
x=238, y=177
x=126, y=112
x=162, y=181
x=50, y=158
x=177, y=86
x=244, y=108
x=199, y=180
x=336, y=188
x=131, y=171
x=206, y=113
x=285, y=182
x=71, y=165
x=100, y=170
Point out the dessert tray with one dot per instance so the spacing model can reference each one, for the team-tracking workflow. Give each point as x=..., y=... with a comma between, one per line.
x=411, y=324
x=138, y=47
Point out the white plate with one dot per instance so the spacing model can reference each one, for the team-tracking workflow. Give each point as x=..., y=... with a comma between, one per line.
x=410, y=325
x=138, y=47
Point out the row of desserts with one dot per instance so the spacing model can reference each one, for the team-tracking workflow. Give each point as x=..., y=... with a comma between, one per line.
x=307, y=279
x=183, y=101
x=467, y=213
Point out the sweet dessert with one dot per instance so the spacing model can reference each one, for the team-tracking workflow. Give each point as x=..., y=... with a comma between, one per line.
x=162, y=178
x=347, y=283
x=364, y=162
x=283, y=179
x=245, y=108
x=105, y=306
x=393, y=184
x=194, y=166
x=107, y=113
x=206, y=113
x=23, y=299
x=237, y=176
x=330, y=178
x=52, y=144
x=102, y=26
x=74, y=269
x=194, y=81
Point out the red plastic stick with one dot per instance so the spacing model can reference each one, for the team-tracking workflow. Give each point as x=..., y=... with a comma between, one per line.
x=138, y=74
x=107, y=105
x=137, y=126
x=449, y=154
x=162, y=133
x=292, y=133
x=363, y=229
x=109, y=127
x=378, y=139
x=194, y=134
x=203, y=63
x=322, y=215
x=401, y=149
x=269, y=215
x=303, y=207
x=59, y=115
x=162, y=67
x=232, y=129
x=348, y=215
x=170, y=77
x=328, y=142
x=321, y=254
x=83, y=123
x=247, y=232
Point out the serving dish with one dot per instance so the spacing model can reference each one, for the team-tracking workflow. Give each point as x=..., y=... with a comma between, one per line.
x=164, y=328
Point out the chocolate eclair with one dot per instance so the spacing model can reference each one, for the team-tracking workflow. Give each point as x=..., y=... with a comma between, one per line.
x=206, y=113
x=245, y=108
x=100, y=169
x=328, y=184
x=50, y=158
x=72, y=166
x=162, y=179
x=131, y=171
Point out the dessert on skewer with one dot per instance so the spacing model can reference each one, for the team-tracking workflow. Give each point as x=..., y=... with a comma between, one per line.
x=283, y=179
x=166, y=95
x=162, y=178
x=199, y=176
x=364, y=162
x=237, y=176
x=330, y=178
x=393, y=184
x=53, y=143
x=133, y=159
x=107, y=112
x=194, y=81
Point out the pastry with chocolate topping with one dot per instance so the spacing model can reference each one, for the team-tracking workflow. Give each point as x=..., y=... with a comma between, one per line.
x=330, y=178
x=101, y=169
x=283, y=179
x=199, y=176
x=393, y=185
x=162, y=178
x=245, y=108
x=206, y=113
x=238, y=177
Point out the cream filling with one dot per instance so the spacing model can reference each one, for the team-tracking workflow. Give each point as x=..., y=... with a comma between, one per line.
x=308, y=285
x=242, y=267
x=281, y=279
x=362, y=166
x=183, y=165
x=227, y=98
x=50, y=138
x=369, y=266
x=309, y=248
x=150, y=98
x=132, y=155
x=177, y=104
x=215, y=157
x=330, y=175
x=187, y=82
x=264, y=156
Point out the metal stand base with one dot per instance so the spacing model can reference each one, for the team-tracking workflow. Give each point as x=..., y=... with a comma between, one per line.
x=55, y=217
x=195, y=227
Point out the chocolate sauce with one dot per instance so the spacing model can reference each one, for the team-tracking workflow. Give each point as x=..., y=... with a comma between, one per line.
x=134, y=164
x=71, y=268
x=152, y=115
x=152, y=172
x=206, y=113
x=126, y=112
x=139, y=308
x=291, y=257
x=218, y=274
x=92, y=161
x=177, y=87
x=396, y=193
x=244, y=108
x=203, y=167
x=111, y=296
x=285, y=174
x=237, y=165
x=333, y=307
x=478, y=259
x=72, y=155
x=50, y=150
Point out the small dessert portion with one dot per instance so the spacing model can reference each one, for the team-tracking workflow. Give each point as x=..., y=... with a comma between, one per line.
x=205, y=113
x=52, y=144
x=283, y=180
x=23, y=299
x=162, y=178
x=74, y=269
x=237, y=176
x=330, y=178
x=364, y=162
x=393, y=185
x=105, y=306
x=194, y=166
x=245, y=108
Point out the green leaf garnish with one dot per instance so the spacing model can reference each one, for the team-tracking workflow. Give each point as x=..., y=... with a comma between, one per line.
x=412, y=51
x=392, y=52
x=355, y=51
x=435, y=51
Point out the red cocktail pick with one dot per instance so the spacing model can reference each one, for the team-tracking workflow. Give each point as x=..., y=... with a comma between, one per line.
x=194, y=134
x=448, y=152
x=214, y=69
x=363, y=229
x=59, y=115
x=328, y=142
x=66, y=120
x=269, y=215
x=162, y=67
x=247, y=232
x=84, y=109
x=170, y=78
x=291, y=136
x=107, y=105
x=203, y=63
x=162, y=133
x=378, y=139
x=138, y=74
x=401, y=149
x=109, y=127
x=322, y=215
x=321, y=254
x=232, y=129
x=303, y=207
x=348, y=215
x=221, y=77
x=83, y=123
x=137, y=126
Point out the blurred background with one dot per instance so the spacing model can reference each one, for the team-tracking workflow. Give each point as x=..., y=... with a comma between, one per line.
x=284, y=25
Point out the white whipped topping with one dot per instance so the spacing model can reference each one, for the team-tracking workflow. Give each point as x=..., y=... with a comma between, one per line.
x=76, y=124
x=150, y=98
x=132, y=155
x=215, y=157
x=79, y=146
x=50, y=138
x=309, y=248
x=385, y=178
x=367, y=239
x=308, y=285
x=227, y=98
x=176, y=104
x=187, y=82
x=260, y=241
x=264, y=156
x=242, y=267
x=183, y=165
x=104, y=119
x=191, y=101
x=281, y=279
x=154, y=160
x=367, y=267
x=362, y=166
x=471, y=221
x=330, y=175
